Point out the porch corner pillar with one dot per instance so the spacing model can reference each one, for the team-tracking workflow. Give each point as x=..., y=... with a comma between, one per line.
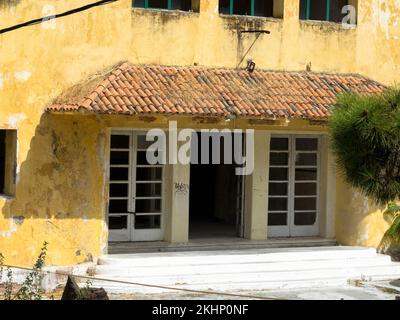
x=257, y=190
x=328, y=189
x=179, y=222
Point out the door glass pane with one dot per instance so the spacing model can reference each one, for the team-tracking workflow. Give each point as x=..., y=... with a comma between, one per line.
x=119, y=141
x=148, y=205
x=117, y=222
x=118, y=190
x=306, y=144
x=277, y=204
x=142, y=157
x=279, y=158
x=305, y=203
x=305, y=189
x=119, y=157
x=148, y=174
x=306, y=159
x=279, y=144
x=305, y=218
x=278, y=189
x=118, y=206
x=119, y=174
x=277, y=219
x=278, y=174
x=148, y=222
x=143, y=144
x=306, y=174
x=148, y=189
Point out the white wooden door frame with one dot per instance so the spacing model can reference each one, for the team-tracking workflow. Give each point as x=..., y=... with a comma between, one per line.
x=132, y=234
x=120, y=234
x=290, y=229
x=283, y=230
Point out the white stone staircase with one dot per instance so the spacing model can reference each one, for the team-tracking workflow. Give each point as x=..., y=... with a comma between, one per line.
x=244, y=270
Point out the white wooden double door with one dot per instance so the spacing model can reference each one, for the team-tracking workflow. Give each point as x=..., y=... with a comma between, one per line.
x=135, y=211
x=293, y=191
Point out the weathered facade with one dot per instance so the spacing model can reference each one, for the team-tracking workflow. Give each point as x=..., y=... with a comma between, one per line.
x=60, y=191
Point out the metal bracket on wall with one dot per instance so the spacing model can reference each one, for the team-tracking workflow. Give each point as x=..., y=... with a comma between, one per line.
x=258, y=32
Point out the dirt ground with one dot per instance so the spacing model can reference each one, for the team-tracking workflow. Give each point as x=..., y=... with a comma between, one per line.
x=360, y=291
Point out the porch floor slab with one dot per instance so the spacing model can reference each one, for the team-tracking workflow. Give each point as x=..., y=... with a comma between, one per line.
x=217, y=243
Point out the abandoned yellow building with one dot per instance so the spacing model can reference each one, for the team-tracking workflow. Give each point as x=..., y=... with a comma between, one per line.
x=82, y=82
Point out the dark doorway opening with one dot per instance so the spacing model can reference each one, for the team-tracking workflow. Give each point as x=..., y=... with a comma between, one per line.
x=215, y=202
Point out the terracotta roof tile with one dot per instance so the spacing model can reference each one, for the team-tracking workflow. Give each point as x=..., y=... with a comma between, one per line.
x=131, y=89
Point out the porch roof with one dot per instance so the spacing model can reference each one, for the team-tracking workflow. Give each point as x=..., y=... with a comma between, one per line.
x=152, y=89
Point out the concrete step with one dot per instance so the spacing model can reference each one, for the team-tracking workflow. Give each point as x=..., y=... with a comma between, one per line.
x=238, y=267
x=233, y=256
x=241, y=270
x=283, y=275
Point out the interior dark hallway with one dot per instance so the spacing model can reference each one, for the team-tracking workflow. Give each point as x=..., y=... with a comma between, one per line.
x=213, y=203
x=215, y=191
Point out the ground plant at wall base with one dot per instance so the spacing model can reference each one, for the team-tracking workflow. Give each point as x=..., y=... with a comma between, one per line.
x=365, y=138
x=31, y=288
x=390, y=241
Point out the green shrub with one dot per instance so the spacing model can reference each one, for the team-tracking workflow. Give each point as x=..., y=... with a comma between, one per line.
x=365, y=137
x=365, y=134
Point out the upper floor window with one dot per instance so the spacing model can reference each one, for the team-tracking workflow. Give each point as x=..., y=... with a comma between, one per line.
x=260, y=8
x=327, y=10
x=184, y=5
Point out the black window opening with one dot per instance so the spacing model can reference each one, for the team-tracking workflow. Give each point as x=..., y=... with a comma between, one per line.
x=2, y=159
x=7, y=161
x=183, y=5
x=257, y=8
x=325, y=10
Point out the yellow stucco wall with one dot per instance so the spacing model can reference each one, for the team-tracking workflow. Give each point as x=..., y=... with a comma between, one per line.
x=59, y=160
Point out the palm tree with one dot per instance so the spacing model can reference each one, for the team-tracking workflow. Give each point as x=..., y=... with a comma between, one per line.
x=365, y=135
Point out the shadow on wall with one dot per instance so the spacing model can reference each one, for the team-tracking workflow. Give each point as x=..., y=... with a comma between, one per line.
x=60, y=194
x=359, y=220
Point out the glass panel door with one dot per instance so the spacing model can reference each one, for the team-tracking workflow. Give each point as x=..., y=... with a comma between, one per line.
x=135, y=190
x=305, y=190
x=119, y=219
x=147, y=195
x=278, y=189
x=293, y=186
